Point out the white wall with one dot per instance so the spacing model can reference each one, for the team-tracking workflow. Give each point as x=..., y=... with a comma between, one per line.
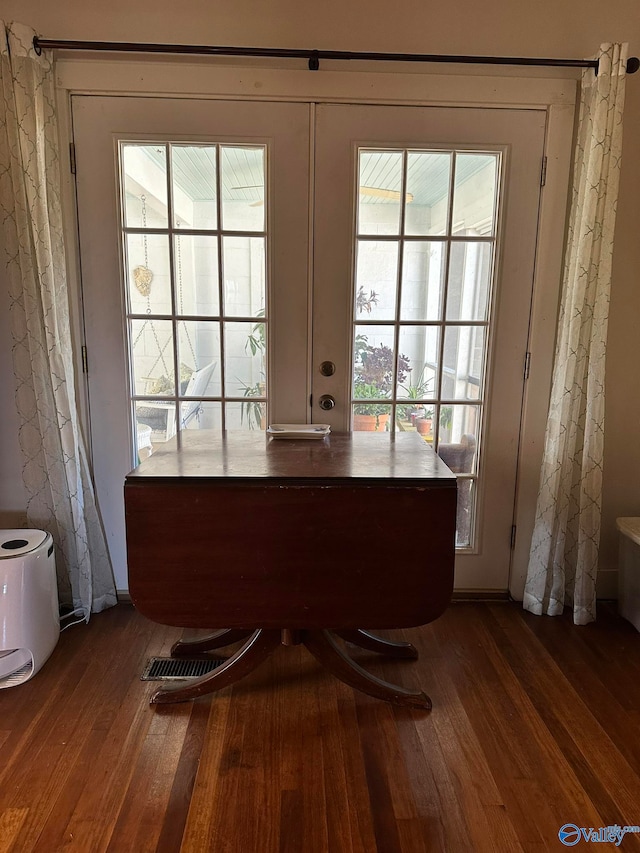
x=572, y=28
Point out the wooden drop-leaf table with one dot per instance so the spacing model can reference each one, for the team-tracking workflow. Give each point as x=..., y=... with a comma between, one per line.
x=291, y=541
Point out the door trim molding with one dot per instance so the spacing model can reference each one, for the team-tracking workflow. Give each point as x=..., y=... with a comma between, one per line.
x=228, y=79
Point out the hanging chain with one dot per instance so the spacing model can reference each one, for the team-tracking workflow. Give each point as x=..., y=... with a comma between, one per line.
x=180, y=297
x=143, y=199
x=149, y=321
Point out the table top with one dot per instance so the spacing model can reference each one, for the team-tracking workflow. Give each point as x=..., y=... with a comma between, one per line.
x=358, y=458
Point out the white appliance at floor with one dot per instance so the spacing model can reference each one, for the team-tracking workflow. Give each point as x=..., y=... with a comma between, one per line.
x=29, y=610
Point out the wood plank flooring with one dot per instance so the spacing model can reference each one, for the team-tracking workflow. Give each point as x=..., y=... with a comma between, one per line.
x=535, y=724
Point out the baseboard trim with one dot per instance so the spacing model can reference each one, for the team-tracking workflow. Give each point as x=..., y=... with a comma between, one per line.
x=607, y=583
x=458, y=595
x=481, y=595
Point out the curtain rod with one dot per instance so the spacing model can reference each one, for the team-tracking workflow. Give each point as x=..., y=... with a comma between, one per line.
x=314, y=56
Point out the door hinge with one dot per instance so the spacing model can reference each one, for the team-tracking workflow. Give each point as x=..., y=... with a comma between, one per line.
x=543, y=172
x=513, y=536
x=527, y=364
x=310, y=401
x=83, y=352
x=72, y=157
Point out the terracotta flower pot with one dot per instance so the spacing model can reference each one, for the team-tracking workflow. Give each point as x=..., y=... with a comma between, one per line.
x=370, y=423
x=423, y=425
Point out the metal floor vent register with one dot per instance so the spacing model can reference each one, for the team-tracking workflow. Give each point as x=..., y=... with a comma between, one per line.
x=167, y=669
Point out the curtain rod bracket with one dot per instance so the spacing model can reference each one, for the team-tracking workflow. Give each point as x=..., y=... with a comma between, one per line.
x=314, y=61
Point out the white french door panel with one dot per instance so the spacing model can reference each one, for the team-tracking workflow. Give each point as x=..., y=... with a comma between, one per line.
x=100, y=124
x=517, y=137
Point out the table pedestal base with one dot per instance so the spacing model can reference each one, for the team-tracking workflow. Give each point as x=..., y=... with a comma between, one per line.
x=260, y=643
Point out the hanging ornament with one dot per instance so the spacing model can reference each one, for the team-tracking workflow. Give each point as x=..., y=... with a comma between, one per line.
x=142, y=278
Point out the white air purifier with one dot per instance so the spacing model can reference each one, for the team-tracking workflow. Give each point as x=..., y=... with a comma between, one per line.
x=29, y=610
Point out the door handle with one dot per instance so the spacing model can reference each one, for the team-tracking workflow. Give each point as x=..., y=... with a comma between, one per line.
x=326, y=402
x=327, y=368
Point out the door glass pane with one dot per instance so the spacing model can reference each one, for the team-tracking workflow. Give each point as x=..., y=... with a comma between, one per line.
x=244, y=362
x=155, y=421
x=423, y=270
x=173, y=277
x=152, y=357
x=459, y=429
x=455, y=422
x=376, y=280
x=373, y=377
x=379, y=192
x=244, y=276
x=148, y=274
x=420, y=350
x=194, y=187
x=475, y=193
x=144, y=185
x=243, y=188
x=196, y=273
x=374, y=362
x=469, y=281
x=202, y=415
x=422, y=293
x=249, y=414
x=427, y=199
x=199, y=348
x=463, y=362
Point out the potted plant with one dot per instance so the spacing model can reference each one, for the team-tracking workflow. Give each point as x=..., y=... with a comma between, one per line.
x=373, y=381
x=417, y=391
x=371, y=417
x=424, y=423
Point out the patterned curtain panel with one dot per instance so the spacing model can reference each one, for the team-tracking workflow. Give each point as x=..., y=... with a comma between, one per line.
x=563, y=561
x=55, y=469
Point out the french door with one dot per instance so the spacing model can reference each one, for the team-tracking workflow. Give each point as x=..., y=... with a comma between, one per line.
x=246, y=263
x=433, y=211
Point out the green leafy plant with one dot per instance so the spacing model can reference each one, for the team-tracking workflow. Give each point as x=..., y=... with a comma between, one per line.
x=446, y=416
x=373, y=375
x=251, y=410
x=363, y=391
x=256, y=339
x=364, y=302
x=417, y=390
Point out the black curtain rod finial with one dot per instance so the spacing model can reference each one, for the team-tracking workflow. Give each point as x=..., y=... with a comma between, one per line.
x=633, y=64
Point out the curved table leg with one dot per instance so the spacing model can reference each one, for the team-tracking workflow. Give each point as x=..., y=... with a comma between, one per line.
x=217, y=640
x=257, y=649
x=372, y=643
x=325, y=649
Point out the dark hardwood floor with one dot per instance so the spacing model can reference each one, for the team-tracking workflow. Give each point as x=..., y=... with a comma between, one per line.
x=535, y=724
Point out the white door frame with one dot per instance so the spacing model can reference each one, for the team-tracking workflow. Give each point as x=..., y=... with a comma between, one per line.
x=229, y=80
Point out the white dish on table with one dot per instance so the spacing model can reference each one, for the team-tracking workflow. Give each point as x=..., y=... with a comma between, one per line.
x=298, y=430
